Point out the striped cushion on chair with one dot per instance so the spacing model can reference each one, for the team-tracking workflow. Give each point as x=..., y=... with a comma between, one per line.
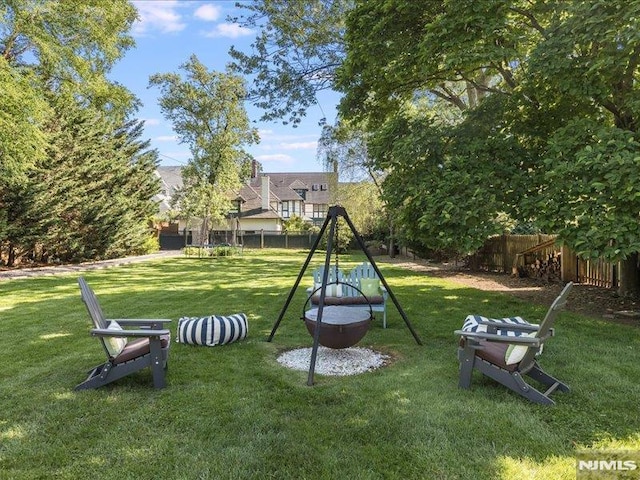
x=512, y=354
x=476, y=323
x=212, y=330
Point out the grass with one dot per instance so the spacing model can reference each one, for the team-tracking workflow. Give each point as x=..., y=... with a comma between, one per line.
x=233, y=412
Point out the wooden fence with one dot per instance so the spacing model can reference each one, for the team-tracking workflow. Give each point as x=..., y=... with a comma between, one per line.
x=591, y=272
x=498, y=254
x=250, y=239
x=539, y=255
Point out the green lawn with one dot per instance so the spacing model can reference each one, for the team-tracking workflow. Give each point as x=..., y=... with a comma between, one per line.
x=232, y=412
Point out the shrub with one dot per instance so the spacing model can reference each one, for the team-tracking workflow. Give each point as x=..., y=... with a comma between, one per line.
x=150, y=245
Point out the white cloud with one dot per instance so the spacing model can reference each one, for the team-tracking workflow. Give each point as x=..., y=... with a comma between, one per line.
x=271, y=135
x=157, y=16
x=166, y=138
x=299, y=146
x=228, y=30
x=208, y=12
x=150, y=122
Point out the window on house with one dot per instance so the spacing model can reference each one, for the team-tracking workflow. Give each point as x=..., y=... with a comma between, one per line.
x=320, y=210
x=315, y=187
x=285, y=209
x=323, y=186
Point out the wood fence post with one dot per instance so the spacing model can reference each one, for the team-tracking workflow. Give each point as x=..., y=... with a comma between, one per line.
x=568, y=265
x=505, y=254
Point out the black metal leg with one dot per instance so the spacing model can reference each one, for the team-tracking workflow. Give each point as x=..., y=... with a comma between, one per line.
x=325, y=279
x=295, y=286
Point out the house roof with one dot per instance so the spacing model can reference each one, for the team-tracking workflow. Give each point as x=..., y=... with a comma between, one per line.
x=170, y=181
x=298, y=185
x=282, y=187
x=316, y=184
x=252, y=206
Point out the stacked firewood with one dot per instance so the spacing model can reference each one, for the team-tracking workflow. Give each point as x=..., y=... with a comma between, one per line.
x=546, y=268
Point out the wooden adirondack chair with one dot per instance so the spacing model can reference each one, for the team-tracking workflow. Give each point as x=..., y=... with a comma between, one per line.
x=365, y=278
x=127, y=350
x=506, y=350
x=361, y=288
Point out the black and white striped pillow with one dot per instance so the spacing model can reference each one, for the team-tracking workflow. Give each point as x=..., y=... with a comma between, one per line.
x=477, y=323
x=212, y=330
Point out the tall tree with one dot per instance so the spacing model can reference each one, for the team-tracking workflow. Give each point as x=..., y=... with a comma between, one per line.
x=90, y=197
x=60, y=116
x=208, y=114
x=401, y=50
x=71, y=45
x=447, y=185
x=533, y=68
x=94, y=192
x=590, y=58
x=294, y=56
x=23, y=112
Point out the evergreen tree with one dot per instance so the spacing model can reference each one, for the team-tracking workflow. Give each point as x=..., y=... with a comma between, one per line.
x=76, y=181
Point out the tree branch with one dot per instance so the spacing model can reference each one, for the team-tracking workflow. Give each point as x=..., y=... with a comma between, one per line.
x=11, y=40
x=533, y=22
x=507, y=76
x=450, y=97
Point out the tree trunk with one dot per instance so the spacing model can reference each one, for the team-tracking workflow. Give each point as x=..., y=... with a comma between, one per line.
x=11, y=257
x=204, y=231
x=629, y=277
x=392, y=244
x=234, y=231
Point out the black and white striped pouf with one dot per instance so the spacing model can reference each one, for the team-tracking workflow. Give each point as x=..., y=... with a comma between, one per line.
x=212, y=330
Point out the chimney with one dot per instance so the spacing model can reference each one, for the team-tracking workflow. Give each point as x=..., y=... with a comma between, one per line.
x=254, y=168
x=266, y=195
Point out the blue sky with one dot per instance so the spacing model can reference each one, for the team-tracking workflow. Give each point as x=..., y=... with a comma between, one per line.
x=166, y=35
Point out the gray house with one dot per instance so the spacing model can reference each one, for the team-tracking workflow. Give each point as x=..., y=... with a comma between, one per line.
x=266, y=200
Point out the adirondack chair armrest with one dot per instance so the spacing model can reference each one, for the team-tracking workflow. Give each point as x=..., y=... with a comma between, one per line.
x=492, y=337
x=141, y=322
x=105, y=332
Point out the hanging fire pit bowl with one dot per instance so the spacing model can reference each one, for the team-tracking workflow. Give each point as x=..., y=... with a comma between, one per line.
x=341, y=327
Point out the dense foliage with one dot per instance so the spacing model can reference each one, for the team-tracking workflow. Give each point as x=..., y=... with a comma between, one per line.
x=514, y=101
x=294, y=56
x=76, y=180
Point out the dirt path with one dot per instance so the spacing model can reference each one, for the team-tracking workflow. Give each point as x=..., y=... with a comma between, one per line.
x=584, y=299
x=16, y=273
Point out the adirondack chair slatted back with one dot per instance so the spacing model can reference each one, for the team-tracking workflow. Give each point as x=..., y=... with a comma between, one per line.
x=364, y=270
x=546, y=325
x=93, y=307
x=335, y=275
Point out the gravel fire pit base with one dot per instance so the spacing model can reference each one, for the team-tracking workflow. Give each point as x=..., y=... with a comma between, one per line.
x=346, y=361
